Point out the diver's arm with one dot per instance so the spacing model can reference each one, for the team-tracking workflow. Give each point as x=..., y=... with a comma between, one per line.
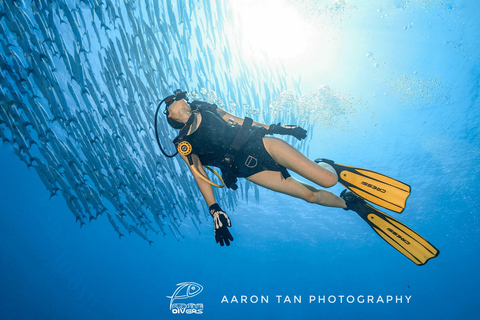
x=205, y=188
x=221, y=221
x=295, y=131
x=228, y=116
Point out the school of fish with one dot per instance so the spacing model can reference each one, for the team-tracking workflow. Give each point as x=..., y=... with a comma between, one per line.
x=79, y=85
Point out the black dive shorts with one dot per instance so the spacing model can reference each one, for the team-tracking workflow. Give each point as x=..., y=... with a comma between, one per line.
x=254, y=158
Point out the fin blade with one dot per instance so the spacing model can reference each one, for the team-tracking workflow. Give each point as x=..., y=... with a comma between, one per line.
x=375, y=187
x=390, y=205
x=401, y=237
x=421, y=242
x=386, y=179
x=402, y=250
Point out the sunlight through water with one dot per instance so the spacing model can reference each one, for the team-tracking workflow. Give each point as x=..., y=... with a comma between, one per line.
x=271, y=29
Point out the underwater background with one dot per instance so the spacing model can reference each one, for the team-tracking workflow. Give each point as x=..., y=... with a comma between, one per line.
x=97, y=224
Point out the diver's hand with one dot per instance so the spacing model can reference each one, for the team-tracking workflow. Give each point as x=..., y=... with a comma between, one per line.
x=221, y=222
x=296, y=131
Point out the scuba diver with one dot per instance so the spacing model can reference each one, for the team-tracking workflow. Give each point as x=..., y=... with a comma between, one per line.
x=240, y=148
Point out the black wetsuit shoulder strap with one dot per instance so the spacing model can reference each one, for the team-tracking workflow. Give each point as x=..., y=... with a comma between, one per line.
x=242, y=135
x=184, y=130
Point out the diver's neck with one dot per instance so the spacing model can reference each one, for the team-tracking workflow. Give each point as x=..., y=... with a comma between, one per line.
x=184, y=116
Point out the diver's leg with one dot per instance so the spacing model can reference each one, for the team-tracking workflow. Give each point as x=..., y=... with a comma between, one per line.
x=274, y=180
x=289, y=157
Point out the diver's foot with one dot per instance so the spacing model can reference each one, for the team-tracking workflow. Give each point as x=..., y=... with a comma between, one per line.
x=352, y=201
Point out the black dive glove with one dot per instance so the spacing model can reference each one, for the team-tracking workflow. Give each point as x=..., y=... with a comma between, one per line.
x=296, y=131
x=221, y=222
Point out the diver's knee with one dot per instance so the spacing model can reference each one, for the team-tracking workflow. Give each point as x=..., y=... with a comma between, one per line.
x=332, y=180
x=311, y=197
x=330, y=175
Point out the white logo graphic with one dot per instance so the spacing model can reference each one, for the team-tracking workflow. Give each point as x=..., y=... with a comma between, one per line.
x=186, y=290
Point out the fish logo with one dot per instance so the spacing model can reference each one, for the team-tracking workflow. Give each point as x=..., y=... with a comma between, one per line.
x=185, y=290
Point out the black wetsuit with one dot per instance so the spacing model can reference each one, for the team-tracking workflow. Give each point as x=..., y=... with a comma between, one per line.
x=212, y=141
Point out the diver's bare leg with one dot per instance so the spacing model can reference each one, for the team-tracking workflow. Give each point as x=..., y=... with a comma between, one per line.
x=274, y=180
x=289, y=157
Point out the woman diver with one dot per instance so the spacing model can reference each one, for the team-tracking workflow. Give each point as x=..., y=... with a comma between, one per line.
x=211, y=136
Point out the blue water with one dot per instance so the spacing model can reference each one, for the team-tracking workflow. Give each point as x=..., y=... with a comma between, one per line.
x=392, y=87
